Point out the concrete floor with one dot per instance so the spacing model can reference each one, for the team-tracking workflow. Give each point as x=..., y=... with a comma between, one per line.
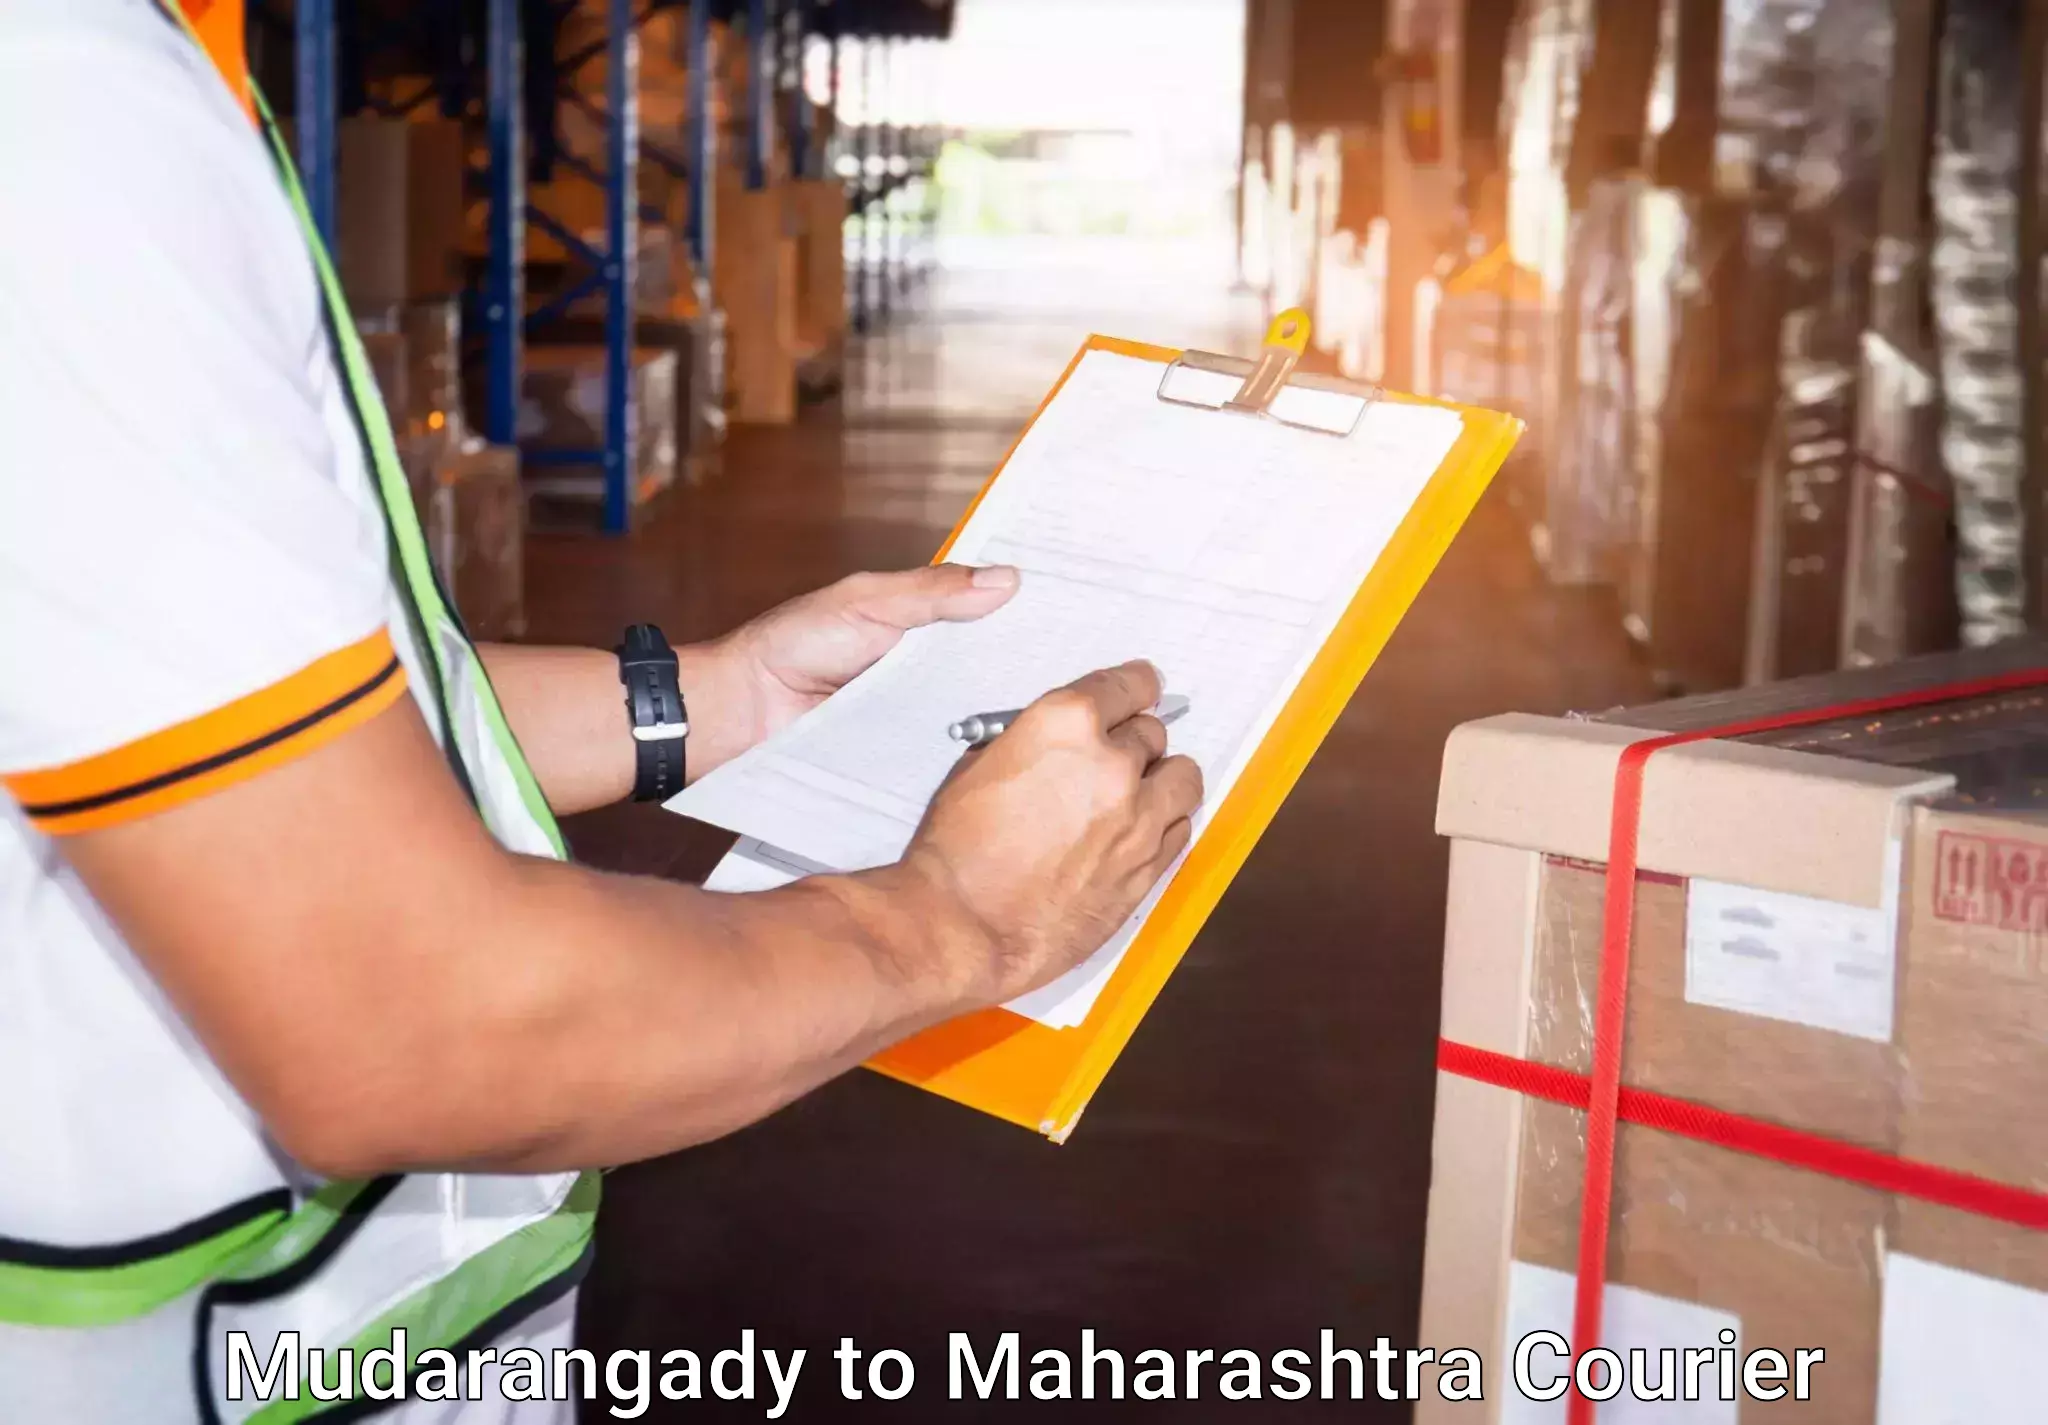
x=1256, y=1166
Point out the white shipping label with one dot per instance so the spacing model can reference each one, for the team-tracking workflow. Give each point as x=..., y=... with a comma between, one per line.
x=1796, y=958
x=1540, y=1299
x=1960, y=1349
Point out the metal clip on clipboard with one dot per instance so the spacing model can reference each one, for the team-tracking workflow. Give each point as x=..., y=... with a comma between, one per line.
x=1269, y=387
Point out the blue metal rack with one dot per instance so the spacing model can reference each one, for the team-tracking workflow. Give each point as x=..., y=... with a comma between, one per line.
x=776, y=34
x=610, y=265
x=315, y=43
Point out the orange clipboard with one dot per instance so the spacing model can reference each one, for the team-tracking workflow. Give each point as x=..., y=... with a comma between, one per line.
x=1042, y=1078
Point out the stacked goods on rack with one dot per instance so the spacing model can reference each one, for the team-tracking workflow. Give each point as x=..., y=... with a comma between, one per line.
x=1900, y=580
x=1548, y=50
x=399, y=211
x=563, y=406
x=1806, y=93
x=1482, y=318
x=474, y=516
x=400, y=247
x=1703, y=321
x=1590, y=502
x=662, y=85
x=1704, y=351
x=780, y=274
x=1590, y=506
x=673, y=309
x=1974, y=276
x=1752, y=251
x=1704, y=298
x=819, y=206
x=1827, y=1135
x=471, y=505
x=756, y=279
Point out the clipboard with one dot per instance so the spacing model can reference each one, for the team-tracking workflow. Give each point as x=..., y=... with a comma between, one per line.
x=1042, y=1078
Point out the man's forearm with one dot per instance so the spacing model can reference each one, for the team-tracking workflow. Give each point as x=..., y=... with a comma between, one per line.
x=391, y=989
x=568, y=710
x=646, y=1016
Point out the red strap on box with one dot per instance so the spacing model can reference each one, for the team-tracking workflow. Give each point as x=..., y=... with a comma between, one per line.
x=1982, y=1197
x=1602, y=1095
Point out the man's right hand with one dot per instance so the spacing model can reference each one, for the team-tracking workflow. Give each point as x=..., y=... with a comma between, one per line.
x=1050, y=836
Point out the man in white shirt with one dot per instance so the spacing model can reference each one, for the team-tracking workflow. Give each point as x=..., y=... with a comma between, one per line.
x=304, y=1025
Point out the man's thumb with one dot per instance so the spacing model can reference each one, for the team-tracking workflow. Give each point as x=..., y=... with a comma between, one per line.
x=951, y=593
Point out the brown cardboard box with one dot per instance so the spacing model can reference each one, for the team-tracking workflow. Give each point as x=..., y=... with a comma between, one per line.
x=562, y=406
x=371, y=222
x=1973, y=1029
x=1795, y=1259
x=1773, y=975
x=390, y=365
x=437, y=159
x=756, y=280
x=433, y=345
x=821, y=278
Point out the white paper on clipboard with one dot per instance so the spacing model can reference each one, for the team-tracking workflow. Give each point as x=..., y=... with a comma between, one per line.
x=1223, y=548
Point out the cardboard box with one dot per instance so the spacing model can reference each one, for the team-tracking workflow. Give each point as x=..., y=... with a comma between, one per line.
x=562, y=406
x=433, y=346
x=371, y=221
x=1973, y=1023
x=390, y=366
x=821, y=277
x=1809, y=951
x=755, y=275
x=437, y=161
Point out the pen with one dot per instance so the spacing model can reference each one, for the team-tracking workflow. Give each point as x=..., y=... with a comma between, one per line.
x=983, y=727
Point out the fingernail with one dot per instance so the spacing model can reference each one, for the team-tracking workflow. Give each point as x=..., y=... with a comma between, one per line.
x=995, y=576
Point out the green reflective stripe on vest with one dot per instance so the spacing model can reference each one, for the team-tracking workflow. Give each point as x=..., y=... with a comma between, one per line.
x=101, y=1296
x=395, y=492
x=297, y=1235
x=455, y=1309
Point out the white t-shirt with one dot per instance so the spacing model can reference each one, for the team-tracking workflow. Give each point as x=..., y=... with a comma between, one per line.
x=194, y=587
x=192, y=572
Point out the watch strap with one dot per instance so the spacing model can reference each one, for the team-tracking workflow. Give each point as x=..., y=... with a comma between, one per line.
x=659, y=721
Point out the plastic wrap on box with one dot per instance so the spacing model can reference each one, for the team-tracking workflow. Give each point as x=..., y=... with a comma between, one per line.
x=1483, y=326
x=390, y=366
x=1900, y=592
x=475, y=522
x=1900, y=583
x=1795, y=1259
x=433, y=347
x=1823, y=174
x=1589, y=510
x=1767, y=89
x=1548, y=45
x=1974, y=268
x=562, y=406
x=1709, y=384
x=1995, y=746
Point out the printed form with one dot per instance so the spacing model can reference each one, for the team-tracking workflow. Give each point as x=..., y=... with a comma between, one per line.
x=1221, y=547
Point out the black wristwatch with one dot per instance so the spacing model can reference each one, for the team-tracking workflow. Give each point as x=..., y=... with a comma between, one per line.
x=654, y=705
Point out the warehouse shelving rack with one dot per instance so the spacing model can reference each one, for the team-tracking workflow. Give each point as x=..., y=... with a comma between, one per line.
x=499, y=308
x=777, y=35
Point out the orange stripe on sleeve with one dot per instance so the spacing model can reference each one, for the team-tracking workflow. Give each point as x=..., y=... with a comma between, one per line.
x=217, y=749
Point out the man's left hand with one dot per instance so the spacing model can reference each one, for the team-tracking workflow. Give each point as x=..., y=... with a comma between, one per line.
x=779, y=666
